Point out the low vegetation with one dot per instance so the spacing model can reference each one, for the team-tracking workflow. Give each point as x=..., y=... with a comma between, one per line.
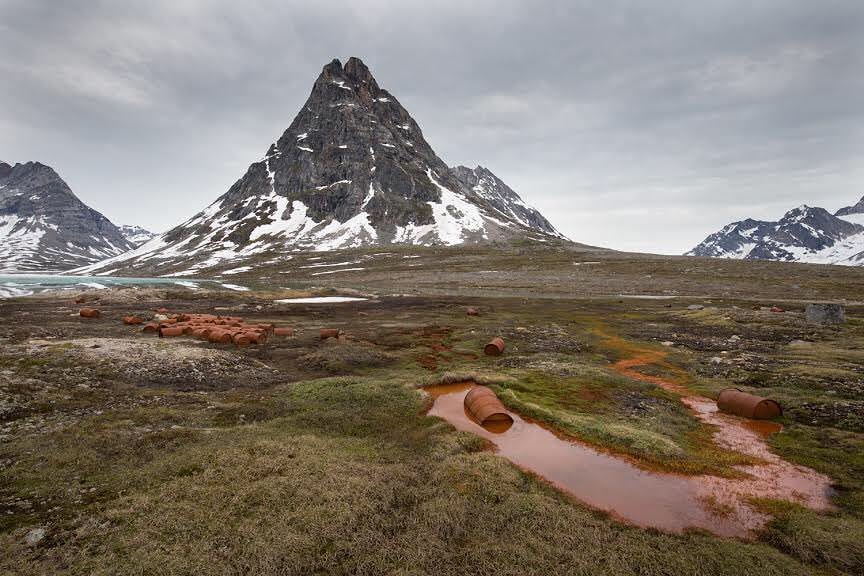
x=305, y=457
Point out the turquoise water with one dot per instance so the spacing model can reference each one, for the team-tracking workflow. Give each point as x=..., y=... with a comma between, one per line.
x=26, y=284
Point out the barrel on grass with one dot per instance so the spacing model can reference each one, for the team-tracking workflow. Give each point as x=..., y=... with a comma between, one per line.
x=495, y=347
x=170, y=331
x=89, y=313
x=329, y=333
x=735, y=401
x=151, y=327
x=283, y=332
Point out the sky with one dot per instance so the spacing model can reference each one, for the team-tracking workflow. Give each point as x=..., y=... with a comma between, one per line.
x=636, y=125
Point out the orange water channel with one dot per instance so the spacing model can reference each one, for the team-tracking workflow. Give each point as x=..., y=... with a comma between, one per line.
x=665, y=501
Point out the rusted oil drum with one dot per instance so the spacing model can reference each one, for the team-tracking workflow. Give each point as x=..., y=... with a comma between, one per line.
x=242, y=339
x=150, y=327
x=169, y=331
x=740, y=403
x=132, y=320
x=484, y=407
x=284, y=332
x=495, y=347
x=89, y=313
x=220, y=337
x=329, y=333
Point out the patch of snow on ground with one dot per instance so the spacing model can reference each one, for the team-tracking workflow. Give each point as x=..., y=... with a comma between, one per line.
x=235, y=287
x=335, y=271
x=237, y=270
x=320, y=300
x=324, y=265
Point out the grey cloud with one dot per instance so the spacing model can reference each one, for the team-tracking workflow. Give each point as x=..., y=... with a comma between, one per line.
x=638, y=125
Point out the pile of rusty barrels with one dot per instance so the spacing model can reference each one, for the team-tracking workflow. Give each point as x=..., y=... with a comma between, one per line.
x=215, y=329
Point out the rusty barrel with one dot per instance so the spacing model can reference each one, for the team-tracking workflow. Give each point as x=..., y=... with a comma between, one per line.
x=170, y=331
x=329, y=333
x=220, y=337
x=734, y=401
x=89, y=313
x=151, y=327
x=483, y=406
x=285, y=332
x=132, y=320
x=243, y=338
x=495, y=347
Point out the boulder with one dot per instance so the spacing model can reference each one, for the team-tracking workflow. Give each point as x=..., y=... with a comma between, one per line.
x=824, y=314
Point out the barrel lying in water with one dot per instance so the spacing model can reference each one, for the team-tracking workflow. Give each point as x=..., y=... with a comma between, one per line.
x=740, y=403
x=484, y=407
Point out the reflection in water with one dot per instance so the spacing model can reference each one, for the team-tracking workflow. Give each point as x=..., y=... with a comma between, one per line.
x=649, y=499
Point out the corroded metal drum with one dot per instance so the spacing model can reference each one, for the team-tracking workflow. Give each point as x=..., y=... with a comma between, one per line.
x=483, y=406
x=495, y=347
x=740, y=403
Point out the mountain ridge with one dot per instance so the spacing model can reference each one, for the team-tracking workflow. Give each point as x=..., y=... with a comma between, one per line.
x=804, y=234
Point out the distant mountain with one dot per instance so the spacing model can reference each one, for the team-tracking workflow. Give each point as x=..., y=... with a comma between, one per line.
x=136, y=235
x=352, y=169
x=45, y=227
x=854, y=213
x=805, y=234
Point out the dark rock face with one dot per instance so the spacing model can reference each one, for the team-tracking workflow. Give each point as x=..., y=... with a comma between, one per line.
x=804, y=234
x=851, y=210
x=352, y=169
x=45, y=227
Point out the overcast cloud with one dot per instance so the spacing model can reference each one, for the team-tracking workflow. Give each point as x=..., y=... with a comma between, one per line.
x=631, y=124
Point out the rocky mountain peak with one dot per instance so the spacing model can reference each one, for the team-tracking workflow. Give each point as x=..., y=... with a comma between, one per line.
x=352, y=169
x=45, y=227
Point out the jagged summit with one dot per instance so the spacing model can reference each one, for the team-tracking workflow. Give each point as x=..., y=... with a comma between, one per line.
x=352, y=169
x=45, y=227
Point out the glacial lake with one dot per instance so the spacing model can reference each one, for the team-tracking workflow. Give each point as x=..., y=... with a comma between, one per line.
x=12, y=285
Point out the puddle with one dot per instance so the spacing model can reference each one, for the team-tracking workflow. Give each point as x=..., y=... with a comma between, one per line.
x=648, y=499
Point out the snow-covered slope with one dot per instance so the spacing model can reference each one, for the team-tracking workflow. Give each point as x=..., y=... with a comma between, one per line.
x=136, y=235
x=805, y=234
x=45, y=227
x=503, y=199
x=353, y=169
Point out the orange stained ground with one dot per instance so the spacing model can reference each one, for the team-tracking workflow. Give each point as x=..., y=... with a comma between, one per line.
x=645, y=498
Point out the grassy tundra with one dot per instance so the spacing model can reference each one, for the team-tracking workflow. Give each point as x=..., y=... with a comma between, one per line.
x=124, y=454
